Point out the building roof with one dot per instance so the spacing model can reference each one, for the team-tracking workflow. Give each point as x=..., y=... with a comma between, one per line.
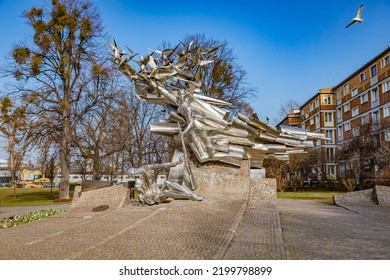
x=363, y=67
x=320, y=91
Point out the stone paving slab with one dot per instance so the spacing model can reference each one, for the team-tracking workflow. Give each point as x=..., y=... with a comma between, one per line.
x=312, y=230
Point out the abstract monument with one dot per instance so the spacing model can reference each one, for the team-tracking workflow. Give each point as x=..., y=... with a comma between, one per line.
x=198, y=124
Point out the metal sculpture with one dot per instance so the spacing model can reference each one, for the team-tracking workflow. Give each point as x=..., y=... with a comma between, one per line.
x=150, y=192
x=199, y=123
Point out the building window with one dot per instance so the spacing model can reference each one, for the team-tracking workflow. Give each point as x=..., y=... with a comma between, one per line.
x=365, y=119
x=311, y=106
x=317, y=121
x=364, y=98
x=386, y=111
x=387, y=135
x=355, y=111
x=339, y=116
x=311, y=121
x=354, y=92
x=329, y=134
x=329, y=154
x=373, y=71
x=346, y=107
x=346, y=89
x=375, y=117
x=385, y=61
x=386, y=86
x=328, y=117
x=347, y=126
x=331, y=171
x=340, y=132
x=317, y=103
x=374, y=98
x=328, y=99
x=362, y=76
x=306, y=115
x=356, y=131
x=375, y=120
x=338, y=94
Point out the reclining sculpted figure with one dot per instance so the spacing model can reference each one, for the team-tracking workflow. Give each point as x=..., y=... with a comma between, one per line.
x=199, y=123
x=150, y=192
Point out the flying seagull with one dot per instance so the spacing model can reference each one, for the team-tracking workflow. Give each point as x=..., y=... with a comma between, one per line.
x=357, y=18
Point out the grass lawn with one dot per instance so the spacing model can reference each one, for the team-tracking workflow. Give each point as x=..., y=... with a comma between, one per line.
x=29, y=196
x=318, y=195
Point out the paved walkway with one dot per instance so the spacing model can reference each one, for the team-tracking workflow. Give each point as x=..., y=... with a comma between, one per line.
x=313, y=230
x=229, y=227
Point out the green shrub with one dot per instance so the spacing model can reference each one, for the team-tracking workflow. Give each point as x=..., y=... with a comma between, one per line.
x=30, y=217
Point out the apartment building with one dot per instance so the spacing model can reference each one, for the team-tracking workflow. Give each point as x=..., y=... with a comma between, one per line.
x=318, y=115
x=356, y=108
x=363, y=106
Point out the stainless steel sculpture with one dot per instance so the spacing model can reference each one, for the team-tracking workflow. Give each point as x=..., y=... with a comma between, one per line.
x=150, y=192
x=198, y=123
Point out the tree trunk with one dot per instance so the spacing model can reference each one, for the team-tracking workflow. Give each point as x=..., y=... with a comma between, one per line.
x=65, y=154
x=96, y=165
x=65, y=169
x=11, y=162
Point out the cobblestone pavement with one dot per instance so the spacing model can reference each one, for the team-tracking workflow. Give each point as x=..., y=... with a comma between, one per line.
x=313, y=230
x=233, y=226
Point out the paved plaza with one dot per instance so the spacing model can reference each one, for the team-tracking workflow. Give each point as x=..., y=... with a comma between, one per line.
x=228, y=227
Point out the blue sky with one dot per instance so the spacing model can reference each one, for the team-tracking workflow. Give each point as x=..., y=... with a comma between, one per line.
x=290, y=49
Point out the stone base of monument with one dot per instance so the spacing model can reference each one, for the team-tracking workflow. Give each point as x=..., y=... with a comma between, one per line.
x=100, y=198
x=88, y=185
x=217, y=178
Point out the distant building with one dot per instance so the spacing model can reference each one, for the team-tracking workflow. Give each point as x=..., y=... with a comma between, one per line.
x=5, y=175
x=317, y=114
x=292, y=119
x=3, y=163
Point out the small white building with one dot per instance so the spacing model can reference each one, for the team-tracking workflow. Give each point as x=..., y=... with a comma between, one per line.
x=3, y=163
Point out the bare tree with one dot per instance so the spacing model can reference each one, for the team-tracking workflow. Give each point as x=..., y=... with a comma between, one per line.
x=145, y=147
x=101, y=133
x=12, y=122
x=285, y=109
x=358, y=158
x=279, y=170
x=56, y=69
x=382, y=155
